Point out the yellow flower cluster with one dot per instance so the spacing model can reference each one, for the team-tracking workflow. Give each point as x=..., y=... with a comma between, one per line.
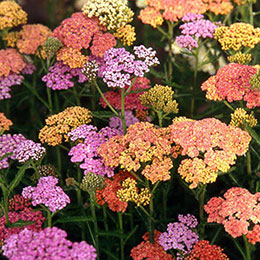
x=237, y=35
x=91, y=182
x=112, y=14
x=241, y=115
x=11, y=15
x=240, y=58
x=255, y=79
x=159, y=98
x=126, y=34
x=4, y=123
x=11, y=39
x=129, y=192
x=242, y=2
x=58, y=125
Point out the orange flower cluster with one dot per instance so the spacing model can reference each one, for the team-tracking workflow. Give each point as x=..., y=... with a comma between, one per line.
x=147, y=250
x=109, y=192
x=217, y=7
x=11, y=15
x=58, y=125
x=172, y=10
x=237, y=35
x=76, y=34
x=126, y=34
x=144, y=148
x=237, y=211
x=10, y=61
x=218, y=143
x=204, y=250
x=4, y=123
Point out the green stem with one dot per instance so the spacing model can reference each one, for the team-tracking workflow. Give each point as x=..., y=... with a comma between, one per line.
x=59, y=164
x=239, y=248
x=78, y=190
x=228, y=105
x=249, y=169
x=93, y=100
x=49, y=218
x=151, y=211
x=164, y=203
x=159, y=114
x=76, y=95
x=121, y=228
x=123, y=109
x=201, y=210
x=247, y=246
x=105, y=218
x=93, y=214
x=251, y=15
x=102, y=95
x=194, y=85
x=50, y=100
x=162, y=32
x=170, y=37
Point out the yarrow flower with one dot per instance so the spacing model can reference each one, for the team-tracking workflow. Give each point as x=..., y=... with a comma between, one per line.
x=241, y=115
x=4, y=123
x=50, y=243
x=47, y=193
x=218, y=143
x=217, y=7
x=60, y=76
x=58, y=125
x=126, y=34
x=237, y=211
x=180, y=235
x=86, y=152
x=232, y=82
x=111, y=14
x=91, y=182
x=11, y=15
x=240, y=58
x=147, y=250
x=120, y=66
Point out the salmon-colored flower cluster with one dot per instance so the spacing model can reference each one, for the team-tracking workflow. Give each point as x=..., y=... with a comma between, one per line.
x=232, y=82
x=76, y=34
x=217, y=7
x=204, y=250
x=171, y=10
x=129, y=192
x=238, y=211
x=147, y=250
x=4, y=123
x=218, y=143
x=241, y=115
x=237, y=35
x=253, y=235
x=58, y=125
x=144, y=147
x=11, y=15
x=108, y=194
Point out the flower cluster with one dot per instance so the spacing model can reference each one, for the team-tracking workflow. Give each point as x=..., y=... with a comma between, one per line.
x=150, y=251
x=91, y=182
x=132, y=101
x=47, y=193
x=11, y=15
x=44, y=171
x=159, y=98
x=86, y=152
x=120, y=66
x=144, y=145
x=241, y=115
x=50, y=243
x=171, y=10
x=240, y=58
x=204, y=250
x=60, y=75
x=232, y=82
x=219, y=144
x=217, y=7
x=237, y=211
x=126, y=34
x=237, y=35
x=194, y=27
x=76, y=34
x=180, y=235
x=111, y=14
x=58, y=125
x=242, y=2
x=18, y=202
x=4, y=123
x=51, y=46
x=129, y=192
x=108, y=193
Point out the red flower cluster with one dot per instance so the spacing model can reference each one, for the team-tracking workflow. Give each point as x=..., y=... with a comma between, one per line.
x=18, y=202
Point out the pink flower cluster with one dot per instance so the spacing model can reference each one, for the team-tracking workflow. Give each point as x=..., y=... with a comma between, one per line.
x=237, y=211
x=87, y=152
x=232, y=83
x=47, y=193
x=50, y=243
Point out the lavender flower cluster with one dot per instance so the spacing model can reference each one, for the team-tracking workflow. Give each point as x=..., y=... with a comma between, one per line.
x=86, y=152
x=180, y=235
x=47, y=193
x=60, y=75
x=120, y=66
x=50, y=243
x=195, y=27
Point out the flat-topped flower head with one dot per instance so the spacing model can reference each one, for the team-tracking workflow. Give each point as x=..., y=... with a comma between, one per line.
x=4, y=123
x=241, y=58
x=217, y=7
x=240, y=116
x=126, y=34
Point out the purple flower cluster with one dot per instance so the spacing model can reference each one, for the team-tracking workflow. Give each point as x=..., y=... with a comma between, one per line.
x=116, y=122
x=50, y=243
x=119, y=66
x=180, y=235
x=60, y=75
x=194, y=27
x=86, y=152
x=8, y=81
x=46, y=192
x=28, y=69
